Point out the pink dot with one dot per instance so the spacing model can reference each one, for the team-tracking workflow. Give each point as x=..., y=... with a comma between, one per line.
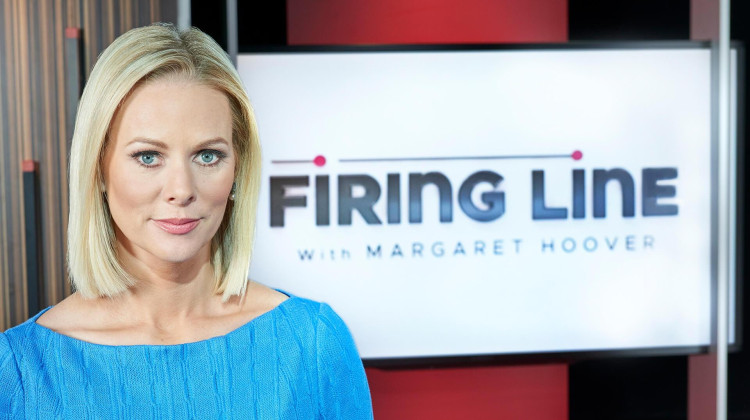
x=577, y=155
x=319, y=160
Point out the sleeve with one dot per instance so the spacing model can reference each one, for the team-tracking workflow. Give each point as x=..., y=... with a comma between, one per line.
x=342, y=384
x=11, y=389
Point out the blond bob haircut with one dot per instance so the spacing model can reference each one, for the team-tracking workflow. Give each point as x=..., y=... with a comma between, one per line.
x=139, y=56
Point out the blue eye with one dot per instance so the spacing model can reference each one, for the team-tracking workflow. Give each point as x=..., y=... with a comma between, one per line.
x=208, y=157
x=148, y=158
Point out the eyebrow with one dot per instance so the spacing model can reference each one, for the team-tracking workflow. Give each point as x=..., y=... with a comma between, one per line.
x=162, y=145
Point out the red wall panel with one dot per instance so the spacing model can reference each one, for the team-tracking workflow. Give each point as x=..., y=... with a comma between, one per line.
x=336, y=22
x=508, y=392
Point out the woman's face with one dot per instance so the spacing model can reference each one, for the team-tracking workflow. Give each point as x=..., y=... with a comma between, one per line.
x=168, y=169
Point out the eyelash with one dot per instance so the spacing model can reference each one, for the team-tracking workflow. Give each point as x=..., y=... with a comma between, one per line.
x=220, y=156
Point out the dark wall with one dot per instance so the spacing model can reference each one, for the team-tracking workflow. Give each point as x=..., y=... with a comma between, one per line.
x=628, y=20
x=739, y=362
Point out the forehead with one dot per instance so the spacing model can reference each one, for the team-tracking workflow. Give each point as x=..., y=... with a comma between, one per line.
x=173, y=110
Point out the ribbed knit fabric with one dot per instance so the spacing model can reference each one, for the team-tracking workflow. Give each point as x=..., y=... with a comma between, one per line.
x=297, y=361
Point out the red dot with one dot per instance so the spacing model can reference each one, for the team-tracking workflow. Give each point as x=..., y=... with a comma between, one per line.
x=577, y=155
x=319, y=160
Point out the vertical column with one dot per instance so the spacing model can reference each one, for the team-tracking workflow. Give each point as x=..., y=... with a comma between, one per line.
x=707, y=374
x=73, y=78
x=727, y=217
x=232, y=36
x=32, y=224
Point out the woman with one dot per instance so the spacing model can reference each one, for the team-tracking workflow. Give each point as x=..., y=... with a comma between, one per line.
x=164, y=178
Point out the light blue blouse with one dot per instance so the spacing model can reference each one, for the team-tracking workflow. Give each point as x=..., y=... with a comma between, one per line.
x=297, y=361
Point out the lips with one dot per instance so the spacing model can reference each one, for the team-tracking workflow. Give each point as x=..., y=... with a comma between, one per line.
x=177, y=226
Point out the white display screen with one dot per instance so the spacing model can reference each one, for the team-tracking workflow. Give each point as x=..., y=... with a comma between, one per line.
x=455, y=203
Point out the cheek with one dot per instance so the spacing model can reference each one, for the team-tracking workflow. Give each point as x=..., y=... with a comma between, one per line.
x=129, y=195
x=216, y=189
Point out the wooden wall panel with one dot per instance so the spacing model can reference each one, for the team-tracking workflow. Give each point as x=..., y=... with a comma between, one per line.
x=33, y=115
x=11, y=225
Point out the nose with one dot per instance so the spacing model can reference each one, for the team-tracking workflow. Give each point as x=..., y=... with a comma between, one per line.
x=179, y=186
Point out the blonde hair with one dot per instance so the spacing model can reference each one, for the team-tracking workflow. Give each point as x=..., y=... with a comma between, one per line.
x=141, y=55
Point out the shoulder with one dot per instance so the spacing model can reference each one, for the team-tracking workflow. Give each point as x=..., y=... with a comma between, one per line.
x=261, y=299
x=314, y=315
x=334, y=339
x=6, y=352
x=342, y=382
x=23, y=337
x=70, y=314
x=330, y=338
x=311, y=320
x=8, y=365
x=11, y=397
x=91, y=320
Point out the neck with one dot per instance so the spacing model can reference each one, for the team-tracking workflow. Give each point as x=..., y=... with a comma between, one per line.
x=169, y=293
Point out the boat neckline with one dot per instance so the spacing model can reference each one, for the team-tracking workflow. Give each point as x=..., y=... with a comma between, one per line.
x=235, y=331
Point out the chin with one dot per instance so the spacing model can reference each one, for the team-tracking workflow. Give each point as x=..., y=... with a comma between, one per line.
x=179, y=255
